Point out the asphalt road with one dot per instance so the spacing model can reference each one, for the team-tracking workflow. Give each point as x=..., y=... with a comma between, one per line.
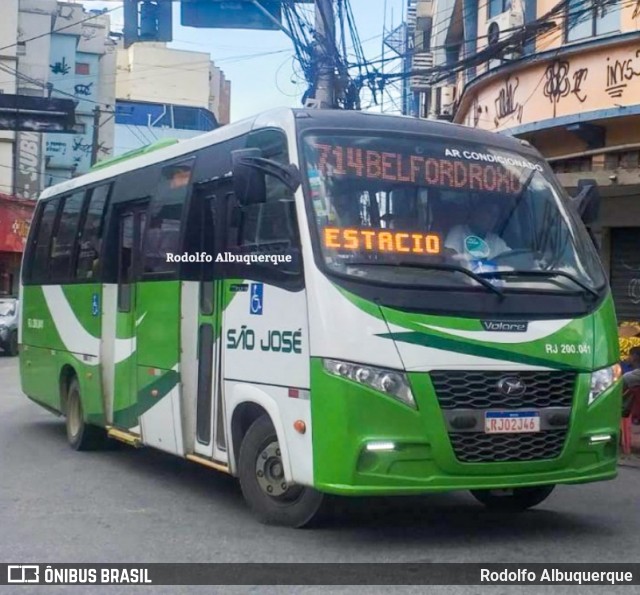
x=129, y=505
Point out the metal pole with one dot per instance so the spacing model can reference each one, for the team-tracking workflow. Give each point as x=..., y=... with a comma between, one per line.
x=325, y=36
x=96, y=135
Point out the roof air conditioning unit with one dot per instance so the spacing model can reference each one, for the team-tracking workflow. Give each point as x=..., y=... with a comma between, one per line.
x=501, y=27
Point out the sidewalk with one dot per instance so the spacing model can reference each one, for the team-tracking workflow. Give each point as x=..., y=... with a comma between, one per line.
x=635, y=439
x=633, y=460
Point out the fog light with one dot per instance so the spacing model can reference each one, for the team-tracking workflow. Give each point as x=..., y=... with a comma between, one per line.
x=377, y=446
x=600, y=438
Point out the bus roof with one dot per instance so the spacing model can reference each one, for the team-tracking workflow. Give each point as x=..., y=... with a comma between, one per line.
x=306, y=119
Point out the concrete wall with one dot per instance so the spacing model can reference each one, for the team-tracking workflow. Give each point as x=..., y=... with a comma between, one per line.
x=220, y=95
x=152, y=72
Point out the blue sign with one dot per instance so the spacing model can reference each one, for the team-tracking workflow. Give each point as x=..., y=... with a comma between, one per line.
x=255, y=305
x=95, y=304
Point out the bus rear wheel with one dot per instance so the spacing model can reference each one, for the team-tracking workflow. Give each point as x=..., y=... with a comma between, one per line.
x=261, y=473
x=513, y=499
x=81, y=435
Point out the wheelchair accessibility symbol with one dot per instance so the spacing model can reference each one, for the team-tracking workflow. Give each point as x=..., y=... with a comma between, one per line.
x=95, y=304
x=255, y=305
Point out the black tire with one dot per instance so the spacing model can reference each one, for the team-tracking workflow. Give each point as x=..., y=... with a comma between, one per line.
x=12, y=346
x=515, y=499
x=297, y=505
x=81, y=435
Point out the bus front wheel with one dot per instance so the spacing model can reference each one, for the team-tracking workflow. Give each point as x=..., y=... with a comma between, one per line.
x=80, y=434
x=513, y=499
x=261, y=473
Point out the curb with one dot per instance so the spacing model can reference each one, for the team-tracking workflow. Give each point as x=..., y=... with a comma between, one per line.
x=632, y=460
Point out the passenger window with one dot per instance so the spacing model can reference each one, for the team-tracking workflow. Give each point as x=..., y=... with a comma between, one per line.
x=65, y=236
x=125, y=262
x=271, y=227
x=163, y=233
x=91, y=238
x=41, y=261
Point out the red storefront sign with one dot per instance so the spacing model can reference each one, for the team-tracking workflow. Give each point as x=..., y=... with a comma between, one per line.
x=15, y=219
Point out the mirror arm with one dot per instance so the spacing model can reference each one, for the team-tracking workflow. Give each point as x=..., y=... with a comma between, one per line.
x=289, y=175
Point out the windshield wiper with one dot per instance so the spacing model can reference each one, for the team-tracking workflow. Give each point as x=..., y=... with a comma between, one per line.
x=544, y=274
x=434, y=267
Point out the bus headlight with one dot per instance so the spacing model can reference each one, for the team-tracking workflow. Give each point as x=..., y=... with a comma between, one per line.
x=388, y=382
x=602, y=379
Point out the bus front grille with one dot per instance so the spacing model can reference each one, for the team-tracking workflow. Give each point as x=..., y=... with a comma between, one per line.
x=476, y=447
x=468, y=389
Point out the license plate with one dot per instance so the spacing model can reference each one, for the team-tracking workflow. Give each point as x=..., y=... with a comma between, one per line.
x=511, y=422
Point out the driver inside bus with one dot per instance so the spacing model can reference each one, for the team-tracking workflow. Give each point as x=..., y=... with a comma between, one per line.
x=477, y=239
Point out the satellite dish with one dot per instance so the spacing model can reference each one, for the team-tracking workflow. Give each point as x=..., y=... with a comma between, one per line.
x=493, y=33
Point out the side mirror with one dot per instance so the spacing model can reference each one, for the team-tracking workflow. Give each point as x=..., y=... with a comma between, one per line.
x=587, y=201
x=249, y=183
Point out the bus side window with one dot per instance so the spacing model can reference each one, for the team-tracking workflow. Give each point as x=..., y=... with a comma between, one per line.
x=270, y=227
x=42, y=243
x=89, y=249
x=64, y=237
x=125, y=262
x=163, y=233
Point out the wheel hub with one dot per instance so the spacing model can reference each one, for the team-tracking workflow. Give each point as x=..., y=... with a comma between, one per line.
x=270, y=471
x=73, y=415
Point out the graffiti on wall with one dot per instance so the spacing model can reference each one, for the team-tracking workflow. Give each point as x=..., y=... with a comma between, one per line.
x=88, y=32
x=505, y=103
x=60, y=67
x=600, y=79
x=27, y=180
x=620, y=72
x=560, y=82
x=84, y=90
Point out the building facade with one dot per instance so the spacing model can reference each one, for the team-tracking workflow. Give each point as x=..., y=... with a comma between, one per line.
x=8, y=83
x=167, y=93
x=58, y=50
x=67, y=52
x=565, y=76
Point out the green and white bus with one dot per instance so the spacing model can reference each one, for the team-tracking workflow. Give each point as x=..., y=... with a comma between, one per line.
x=324, y=302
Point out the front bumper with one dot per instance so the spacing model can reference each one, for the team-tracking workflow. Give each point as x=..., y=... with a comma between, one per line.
x=347, y=416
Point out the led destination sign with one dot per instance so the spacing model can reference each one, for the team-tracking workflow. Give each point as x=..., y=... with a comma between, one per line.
x=462, y=173
x=381, y=240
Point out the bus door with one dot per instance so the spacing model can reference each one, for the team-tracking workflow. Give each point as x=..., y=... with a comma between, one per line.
x=212, y=199
x=131, y=226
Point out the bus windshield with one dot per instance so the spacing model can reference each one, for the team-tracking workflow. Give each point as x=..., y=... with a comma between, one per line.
x=430, y=212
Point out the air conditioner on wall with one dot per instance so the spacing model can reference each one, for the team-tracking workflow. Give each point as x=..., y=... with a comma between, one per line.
x=422, y=62
x=447, y=96
x=501, y=27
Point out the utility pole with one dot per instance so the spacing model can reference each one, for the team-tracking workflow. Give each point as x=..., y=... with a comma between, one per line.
x=325, y=57
x=96, y=134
